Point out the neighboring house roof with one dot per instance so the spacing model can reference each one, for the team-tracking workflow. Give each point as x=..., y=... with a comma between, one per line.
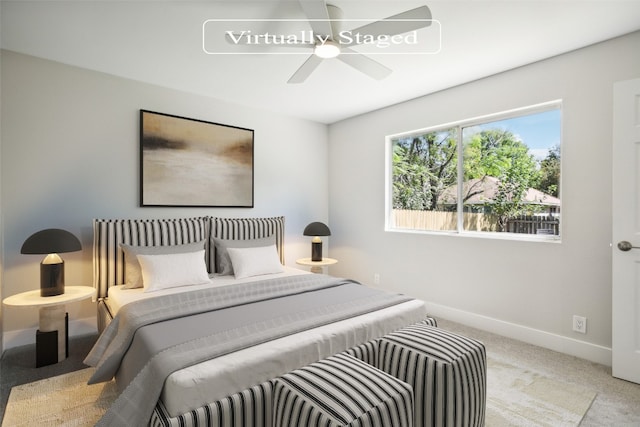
x=484, y=191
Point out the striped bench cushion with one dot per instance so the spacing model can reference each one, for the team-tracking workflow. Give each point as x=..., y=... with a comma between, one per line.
x=341, y=391
x=252, y=407
x=368, y=352
x=430, y=321
x=446, y=371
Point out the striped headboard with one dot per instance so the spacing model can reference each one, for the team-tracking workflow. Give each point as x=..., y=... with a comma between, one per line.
x=108, y=234
x=250, y=228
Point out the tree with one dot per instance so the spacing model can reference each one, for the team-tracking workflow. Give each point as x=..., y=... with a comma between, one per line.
x=423, y=166
x=549, y=181
x=500, y=154
x=487, y=153
x=509, y=199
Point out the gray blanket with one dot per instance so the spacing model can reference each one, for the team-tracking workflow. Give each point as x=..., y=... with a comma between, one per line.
x=200, y=325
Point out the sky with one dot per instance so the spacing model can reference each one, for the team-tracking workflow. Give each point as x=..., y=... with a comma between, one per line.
x=539, y=131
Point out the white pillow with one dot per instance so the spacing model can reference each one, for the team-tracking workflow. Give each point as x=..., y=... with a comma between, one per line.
x=255, y=261
x=172, y=270
x=132, y=272
x=223, y=262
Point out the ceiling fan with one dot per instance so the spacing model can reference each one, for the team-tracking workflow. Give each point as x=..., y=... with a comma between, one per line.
x=329, y=41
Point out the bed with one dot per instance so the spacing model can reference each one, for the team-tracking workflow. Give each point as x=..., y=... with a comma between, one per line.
x=235, y=382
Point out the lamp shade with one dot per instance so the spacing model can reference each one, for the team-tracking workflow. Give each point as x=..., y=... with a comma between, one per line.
x=317, y=229
x=51, y=241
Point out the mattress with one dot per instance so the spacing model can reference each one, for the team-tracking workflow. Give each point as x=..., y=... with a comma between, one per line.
x=215, y=379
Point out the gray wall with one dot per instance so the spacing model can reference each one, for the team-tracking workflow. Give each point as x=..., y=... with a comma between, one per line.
x=522, y=289
x=70, y=144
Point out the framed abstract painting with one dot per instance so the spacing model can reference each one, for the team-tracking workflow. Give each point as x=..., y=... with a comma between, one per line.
x=189, y=162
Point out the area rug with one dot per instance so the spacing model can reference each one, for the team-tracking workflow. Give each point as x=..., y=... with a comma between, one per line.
x=518, y=397
x=65, y=400
x=515, y=397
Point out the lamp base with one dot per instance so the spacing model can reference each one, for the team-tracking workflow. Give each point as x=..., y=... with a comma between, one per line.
x=316, y=251
x=51, y=279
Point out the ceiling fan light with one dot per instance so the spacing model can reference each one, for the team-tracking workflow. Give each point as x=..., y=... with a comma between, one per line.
x=328, y=49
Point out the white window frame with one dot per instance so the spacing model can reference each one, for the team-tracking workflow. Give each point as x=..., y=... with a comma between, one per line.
x=460, y=125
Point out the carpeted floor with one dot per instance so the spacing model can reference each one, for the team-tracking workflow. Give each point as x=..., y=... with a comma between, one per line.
x=515, y=397
x=18, y=365
x=616, y=403
x=65, y=400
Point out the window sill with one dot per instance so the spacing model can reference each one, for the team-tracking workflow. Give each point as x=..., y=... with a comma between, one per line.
x=535, y=238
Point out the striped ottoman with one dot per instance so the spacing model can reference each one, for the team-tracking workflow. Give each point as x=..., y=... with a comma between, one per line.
x=341, y=391
x=368, y=352
x=446, y=371
x=430, y=321
x=251, y=407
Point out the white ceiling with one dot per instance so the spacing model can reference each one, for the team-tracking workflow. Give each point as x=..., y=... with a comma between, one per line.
x=160, y=42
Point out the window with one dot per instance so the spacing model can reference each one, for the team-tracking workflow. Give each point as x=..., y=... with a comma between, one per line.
x=498, y=174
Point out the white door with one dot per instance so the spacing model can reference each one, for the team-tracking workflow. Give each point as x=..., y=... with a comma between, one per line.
x=626, y=230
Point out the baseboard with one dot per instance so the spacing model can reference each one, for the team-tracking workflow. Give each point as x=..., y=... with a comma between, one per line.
x=11, y=339
x=562, y=344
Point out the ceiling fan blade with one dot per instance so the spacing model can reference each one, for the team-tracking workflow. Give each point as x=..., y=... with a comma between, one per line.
x=364, y=64
x=305, y=69
x=316, y=11
x=404, y=22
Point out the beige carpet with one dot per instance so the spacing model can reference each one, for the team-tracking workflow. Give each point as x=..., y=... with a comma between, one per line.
x=65, y=400
x=515, y=397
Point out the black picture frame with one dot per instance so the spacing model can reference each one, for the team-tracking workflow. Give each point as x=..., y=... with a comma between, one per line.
x=194, y=163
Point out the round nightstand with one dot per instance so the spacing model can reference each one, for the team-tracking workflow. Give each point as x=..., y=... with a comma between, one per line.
x=53, y=318
x=316, y=266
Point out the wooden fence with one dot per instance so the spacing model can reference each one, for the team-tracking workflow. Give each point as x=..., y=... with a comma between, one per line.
x=448, y=221
x=528, y=224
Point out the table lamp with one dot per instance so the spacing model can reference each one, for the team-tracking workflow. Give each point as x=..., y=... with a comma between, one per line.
x=51, y=242
x=316, y=229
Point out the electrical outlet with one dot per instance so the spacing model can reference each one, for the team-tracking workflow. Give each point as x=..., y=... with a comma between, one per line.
x=580, y=324
x=376, y=278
